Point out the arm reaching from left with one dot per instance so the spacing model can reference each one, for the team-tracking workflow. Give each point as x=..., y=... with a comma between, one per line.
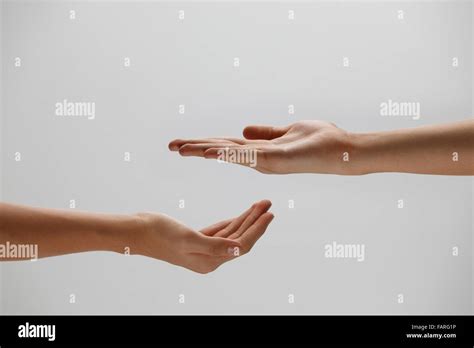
x=59, y=232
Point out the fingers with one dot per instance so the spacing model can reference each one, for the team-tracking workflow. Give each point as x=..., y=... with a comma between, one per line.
x=258, y=211
x=264, y=132
x=250, y=237
x=222, y=147
x=213, y=246
x=237, y=222
x=262, y=159
x=176, y=144
x=234, y=225
x=241, y=154
x=208, y=251
x=211, y=230
x=216, y=152
x=199, y=149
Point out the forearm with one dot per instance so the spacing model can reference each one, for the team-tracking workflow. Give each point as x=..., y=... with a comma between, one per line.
x=58, y=232
x=439, y=149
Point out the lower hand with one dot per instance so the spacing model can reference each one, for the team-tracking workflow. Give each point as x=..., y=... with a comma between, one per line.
x=167, y=239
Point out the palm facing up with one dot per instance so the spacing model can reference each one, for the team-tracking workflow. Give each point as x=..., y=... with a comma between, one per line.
x=167, y=239
x=303, y=147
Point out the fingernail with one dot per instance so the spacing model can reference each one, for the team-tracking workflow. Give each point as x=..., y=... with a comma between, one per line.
x=234, y=251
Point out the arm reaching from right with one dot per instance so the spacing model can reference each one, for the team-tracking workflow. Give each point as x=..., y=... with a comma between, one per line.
x=322, y=147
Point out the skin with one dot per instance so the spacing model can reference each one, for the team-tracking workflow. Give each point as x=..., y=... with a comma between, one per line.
x=322, y=147
x=59, y=232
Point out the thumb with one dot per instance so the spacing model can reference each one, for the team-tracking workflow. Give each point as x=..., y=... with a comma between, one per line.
x=215, y=246
x=264, y=132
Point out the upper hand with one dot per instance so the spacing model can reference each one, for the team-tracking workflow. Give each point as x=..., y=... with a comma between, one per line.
x=302, y=147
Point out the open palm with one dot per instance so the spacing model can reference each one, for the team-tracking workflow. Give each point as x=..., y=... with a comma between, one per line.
x=303, y=147
x=167, y=239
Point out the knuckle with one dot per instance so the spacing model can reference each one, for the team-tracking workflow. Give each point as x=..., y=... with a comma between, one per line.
x=183, y=148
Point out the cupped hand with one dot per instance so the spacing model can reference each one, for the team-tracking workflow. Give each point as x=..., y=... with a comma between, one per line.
x=167, y=239
x=303, y=147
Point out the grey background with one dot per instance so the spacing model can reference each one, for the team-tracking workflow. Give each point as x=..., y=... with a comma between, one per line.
x=191, y=62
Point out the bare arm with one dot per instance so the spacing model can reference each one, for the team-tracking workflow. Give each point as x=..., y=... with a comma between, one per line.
x=59, y=232
x=322, y=147
x=439, y=149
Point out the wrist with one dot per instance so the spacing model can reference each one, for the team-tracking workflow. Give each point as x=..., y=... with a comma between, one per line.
x=149, y=240
x=363, y=148
x=377, y=152
x=122, y=234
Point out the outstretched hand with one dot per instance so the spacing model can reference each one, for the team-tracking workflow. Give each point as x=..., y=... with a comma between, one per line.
x=167, y=239
x=303, y=147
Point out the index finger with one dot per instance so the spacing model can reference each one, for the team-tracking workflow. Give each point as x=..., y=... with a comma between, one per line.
x=175, y=144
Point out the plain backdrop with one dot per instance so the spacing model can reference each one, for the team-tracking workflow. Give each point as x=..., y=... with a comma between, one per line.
x=191, y=62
